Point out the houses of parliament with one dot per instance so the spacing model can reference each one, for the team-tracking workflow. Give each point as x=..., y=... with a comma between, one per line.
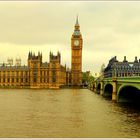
x=52, y=74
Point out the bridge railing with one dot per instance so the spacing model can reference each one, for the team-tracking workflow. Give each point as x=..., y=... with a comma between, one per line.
x=136, y=78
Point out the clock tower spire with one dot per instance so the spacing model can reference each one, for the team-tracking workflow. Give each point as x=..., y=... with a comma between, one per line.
x=76, y=55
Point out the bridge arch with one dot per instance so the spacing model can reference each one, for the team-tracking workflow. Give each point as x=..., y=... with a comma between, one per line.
x=108, y=89
x=98, y=88
x=129, y=93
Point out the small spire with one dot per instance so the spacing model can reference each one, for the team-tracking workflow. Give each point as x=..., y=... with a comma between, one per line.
x=77, y=22
x=29, y=55
x=58, y=53
x=50, y=54
x=38, y=53
x=77, y=27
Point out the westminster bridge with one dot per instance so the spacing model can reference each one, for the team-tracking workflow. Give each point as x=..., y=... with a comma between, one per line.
x=120, y=89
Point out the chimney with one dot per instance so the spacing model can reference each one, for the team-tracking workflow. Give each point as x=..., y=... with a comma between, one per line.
x=136, y=60
x=124, y=59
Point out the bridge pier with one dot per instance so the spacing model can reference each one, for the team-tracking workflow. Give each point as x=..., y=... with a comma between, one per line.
x=95, y=87
x=90, y=87
x=101, y=90
x=114, y=93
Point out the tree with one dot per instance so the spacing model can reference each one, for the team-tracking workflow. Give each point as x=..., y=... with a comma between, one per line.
x=102, y=69
x=87, y=78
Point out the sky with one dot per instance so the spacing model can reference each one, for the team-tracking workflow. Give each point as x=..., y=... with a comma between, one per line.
x=108, y=29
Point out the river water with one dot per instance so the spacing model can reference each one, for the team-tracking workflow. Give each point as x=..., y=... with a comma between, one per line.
x=65, y=113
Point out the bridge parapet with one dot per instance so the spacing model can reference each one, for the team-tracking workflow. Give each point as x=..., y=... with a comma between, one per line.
x=129, y=79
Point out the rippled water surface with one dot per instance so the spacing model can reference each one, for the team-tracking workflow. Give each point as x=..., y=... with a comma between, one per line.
x=65, y=113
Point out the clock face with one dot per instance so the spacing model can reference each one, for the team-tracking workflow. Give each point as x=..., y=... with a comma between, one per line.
x=76, y=42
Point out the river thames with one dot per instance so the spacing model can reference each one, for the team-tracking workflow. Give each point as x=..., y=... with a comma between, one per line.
x=78, y=113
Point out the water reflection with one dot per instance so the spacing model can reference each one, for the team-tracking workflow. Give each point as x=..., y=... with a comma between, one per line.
x=65, y=113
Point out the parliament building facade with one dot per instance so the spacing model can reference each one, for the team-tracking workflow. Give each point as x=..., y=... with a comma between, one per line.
x=48, y=74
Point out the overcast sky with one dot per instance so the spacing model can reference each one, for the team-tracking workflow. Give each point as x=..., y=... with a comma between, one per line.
x=108, y=29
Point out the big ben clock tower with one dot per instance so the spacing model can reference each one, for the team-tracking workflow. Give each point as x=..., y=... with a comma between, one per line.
x=76, y=55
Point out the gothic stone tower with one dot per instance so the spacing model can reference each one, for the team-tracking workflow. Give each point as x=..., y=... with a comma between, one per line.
x=34, y=64
x=54, y=70
x=76, y=57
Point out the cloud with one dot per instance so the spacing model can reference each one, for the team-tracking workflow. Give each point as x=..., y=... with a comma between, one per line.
x=108, y=29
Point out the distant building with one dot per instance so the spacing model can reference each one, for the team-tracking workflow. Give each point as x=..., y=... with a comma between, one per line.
x=122, y=69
